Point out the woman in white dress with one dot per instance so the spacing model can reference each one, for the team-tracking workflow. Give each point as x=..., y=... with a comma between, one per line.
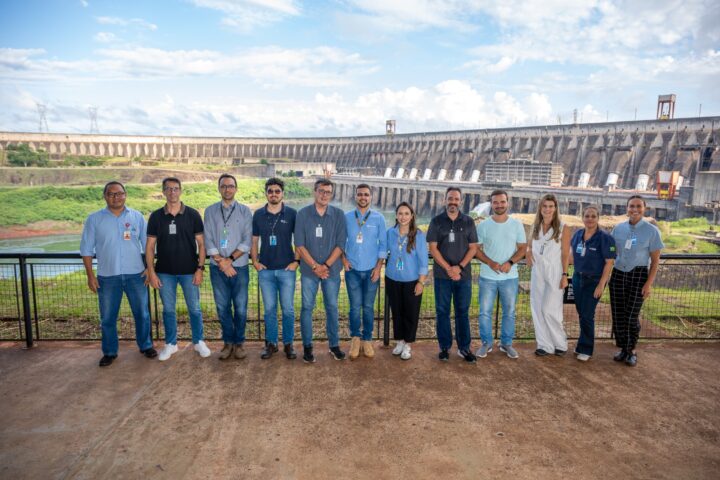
x=548, y=255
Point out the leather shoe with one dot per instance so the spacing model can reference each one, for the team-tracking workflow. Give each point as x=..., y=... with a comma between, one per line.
x=290, y=351
x=631, y=359
x=620, y=356
x=268, y=351
x=149, y=353
x=107, y=360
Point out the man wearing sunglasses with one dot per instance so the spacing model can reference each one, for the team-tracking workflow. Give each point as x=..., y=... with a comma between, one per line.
x=320, y=235
x=115, y=235
x=276, y=263
x=228, y=236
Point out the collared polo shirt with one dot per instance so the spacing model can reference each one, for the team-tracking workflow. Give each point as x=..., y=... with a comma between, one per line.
x=117, y=242
x=228, y=229
x=334, y=235
x=279, y=254
x=176, y=254
x=634, y=243
x=364, y=255
x=598, y=248
x=499, y=241
x=414, y=263
x=463, y=228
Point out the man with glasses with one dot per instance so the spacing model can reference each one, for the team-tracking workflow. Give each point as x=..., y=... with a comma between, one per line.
x=228, y=236
x=116, y=236
x=276, y=262
x=177, y=232
x=365, y=250
x=319, y=238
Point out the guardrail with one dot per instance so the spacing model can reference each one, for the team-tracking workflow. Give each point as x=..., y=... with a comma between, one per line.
x=44, y=296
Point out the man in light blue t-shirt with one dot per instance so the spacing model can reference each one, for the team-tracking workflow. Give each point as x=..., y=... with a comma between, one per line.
x=501, y=243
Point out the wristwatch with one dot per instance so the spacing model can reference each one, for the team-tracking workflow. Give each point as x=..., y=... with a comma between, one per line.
x=565, y=274
x=511, y=262
x=201, y=267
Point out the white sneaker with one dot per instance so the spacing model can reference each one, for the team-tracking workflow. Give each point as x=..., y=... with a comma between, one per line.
x=167, y=352
x=399, y=347
x=202, y=349
x=583, y=357
x=406, y=353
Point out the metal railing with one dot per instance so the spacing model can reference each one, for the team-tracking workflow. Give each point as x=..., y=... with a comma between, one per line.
x=44, y=296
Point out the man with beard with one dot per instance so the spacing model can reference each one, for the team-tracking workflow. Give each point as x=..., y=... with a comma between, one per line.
x=116, y=236
x=365, y=250
x=228, y=236
x=275, y=262
x=501, y=243
x=452, y=241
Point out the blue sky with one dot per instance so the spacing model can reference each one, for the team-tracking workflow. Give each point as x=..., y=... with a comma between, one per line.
x=342, y=67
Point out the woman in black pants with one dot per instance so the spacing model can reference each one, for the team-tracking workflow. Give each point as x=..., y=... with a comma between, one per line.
x=405, y=274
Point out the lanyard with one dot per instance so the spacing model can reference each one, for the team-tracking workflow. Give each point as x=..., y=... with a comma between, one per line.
x=222, y=212
x=277, y=217
x=364, y=220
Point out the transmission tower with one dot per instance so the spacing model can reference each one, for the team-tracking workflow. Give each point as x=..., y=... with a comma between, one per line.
x=42, y=119
x=93, y=120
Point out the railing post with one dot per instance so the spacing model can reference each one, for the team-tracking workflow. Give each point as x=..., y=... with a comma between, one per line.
x=386, y=321
x=26, y=301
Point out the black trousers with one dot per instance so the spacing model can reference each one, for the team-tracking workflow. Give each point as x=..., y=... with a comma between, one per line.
x=626, y=300
x=405, y=308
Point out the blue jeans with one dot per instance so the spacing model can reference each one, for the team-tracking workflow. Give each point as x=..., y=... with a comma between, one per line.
x=361, y=293
x=168, y=295
x=508, y=290
x=460, y=293
x=583, y=288
x=109, y=297
x=330, y=289
x=231, y=293
x=274, y=284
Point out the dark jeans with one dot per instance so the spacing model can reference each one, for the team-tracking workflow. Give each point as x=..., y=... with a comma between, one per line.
x=584, y=287
x=460, y=294
x=405, y=308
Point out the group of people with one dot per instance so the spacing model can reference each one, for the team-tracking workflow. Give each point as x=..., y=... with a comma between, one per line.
x=322, y=241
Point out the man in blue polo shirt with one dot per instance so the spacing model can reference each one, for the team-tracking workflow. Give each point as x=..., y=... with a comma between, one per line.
x=276, y=263
x=365, y=250
x=116, y=236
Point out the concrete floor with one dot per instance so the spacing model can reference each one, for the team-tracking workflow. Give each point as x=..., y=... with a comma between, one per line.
x=63, y=417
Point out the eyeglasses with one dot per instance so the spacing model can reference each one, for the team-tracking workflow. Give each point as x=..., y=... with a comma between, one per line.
x=115, y=194
x=273, y=191
x=172, y=189
x=362, y=194
x=324, y=192
x=227, y=187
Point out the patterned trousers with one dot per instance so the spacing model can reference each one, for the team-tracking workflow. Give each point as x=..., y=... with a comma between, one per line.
x=626, y=300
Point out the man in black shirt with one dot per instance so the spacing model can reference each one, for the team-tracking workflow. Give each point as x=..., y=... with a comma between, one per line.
x=177, y=231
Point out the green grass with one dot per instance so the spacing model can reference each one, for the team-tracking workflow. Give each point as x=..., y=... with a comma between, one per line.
x=678, y=236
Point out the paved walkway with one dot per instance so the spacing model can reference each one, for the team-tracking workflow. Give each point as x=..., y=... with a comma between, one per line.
x=63, y=417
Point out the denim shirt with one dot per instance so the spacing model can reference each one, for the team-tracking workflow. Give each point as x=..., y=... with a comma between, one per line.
x=364, y=255
x=413, y=264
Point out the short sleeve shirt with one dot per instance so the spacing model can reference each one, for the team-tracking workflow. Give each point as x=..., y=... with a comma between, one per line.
x=275, y=253
x=634, y=244
x=177, y=252
x=320, y=234
x=462, y=231
x=499, y=241
x=589, y=256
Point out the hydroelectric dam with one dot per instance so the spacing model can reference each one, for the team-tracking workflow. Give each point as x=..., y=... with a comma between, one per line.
x=590, y=162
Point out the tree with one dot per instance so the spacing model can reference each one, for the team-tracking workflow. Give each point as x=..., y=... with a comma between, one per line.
x=23, y=155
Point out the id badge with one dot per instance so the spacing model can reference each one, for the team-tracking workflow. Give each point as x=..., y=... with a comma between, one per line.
x=451, y=237
x=223, y=243
x=127, y=235
x=318, y=231
x=359, y=238
x=542, y=249
x=173, y=229
x=400, y=265
x=273, y=240
x=629, y=243
x=633, y=240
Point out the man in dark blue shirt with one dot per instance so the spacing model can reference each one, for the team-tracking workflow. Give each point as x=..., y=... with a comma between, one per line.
x=275, y=262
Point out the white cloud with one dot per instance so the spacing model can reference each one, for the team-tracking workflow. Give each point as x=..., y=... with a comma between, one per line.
x=125, y=22
x=245, y=15
x=105, y=37
x=84, y=3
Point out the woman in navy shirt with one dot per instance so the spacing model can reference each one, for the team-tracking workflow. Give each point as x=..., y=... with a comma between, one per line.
x=405, y=275
x=593, y=257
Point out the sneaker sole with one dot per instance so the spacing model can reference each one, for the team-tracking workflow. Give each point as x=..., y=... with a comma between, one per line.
x=336, y=358
x=477, y=354
x=308, y=361
x=506, y=353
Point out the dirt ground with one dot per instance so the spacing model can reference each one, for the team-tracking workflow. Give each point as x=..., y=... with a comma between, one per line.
x=63, y=417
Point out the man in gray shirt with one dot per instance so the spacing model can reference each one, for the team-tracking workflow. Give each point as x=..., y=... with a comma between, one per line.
x=228, y=238
x=320, y=235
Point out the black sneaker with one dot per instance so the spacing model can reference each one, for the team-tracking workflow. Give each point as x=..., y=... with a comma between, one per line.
x=467, y=355
x=541, y=353
x=107, y=360
x=337, y=353
x=444, y=355
x=290, y=351
x=308, y=356
x=620, y=356
x=559, y=352
x=631, y=359
x=268, y=351
x=149, y=353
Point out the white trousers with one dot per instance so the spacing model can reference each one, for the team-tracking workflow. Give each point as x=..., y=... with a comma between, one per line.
x=546, y=305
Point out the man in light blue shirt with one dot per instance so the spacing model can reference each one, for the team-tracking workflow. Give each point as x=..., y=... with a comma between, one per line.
x=501, y=244
x=116, y=236
x=365, y=250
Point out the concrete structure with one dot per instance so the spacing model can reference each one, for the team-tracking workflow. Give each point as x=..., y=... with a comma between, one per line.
x=533, y=173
